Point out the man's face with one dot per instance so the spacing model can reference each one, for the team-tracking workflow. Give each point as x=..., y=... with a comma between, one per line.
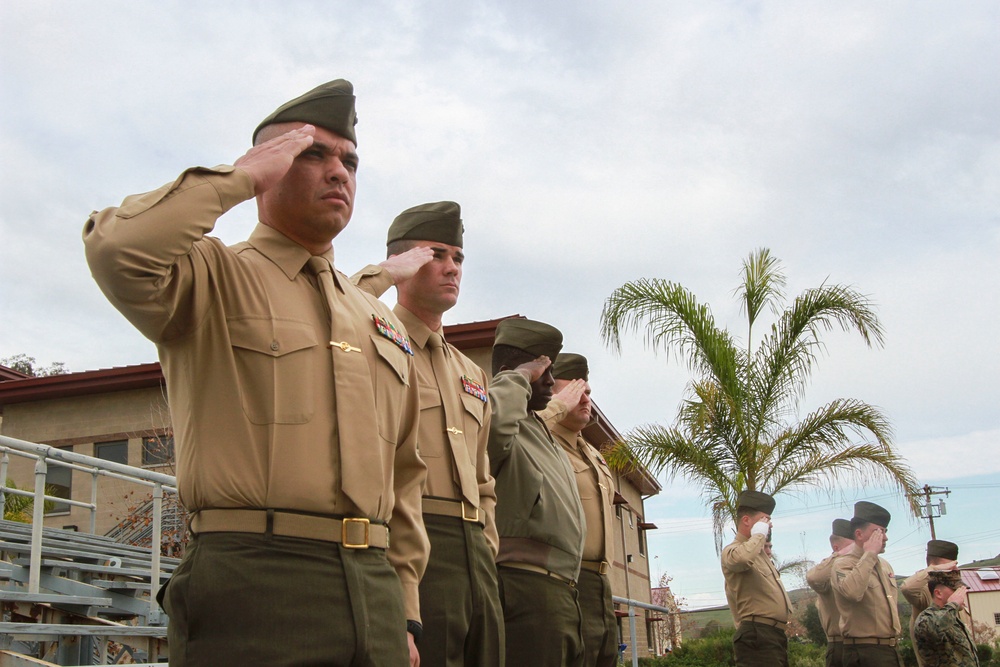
x=580, y=415
x=541, y=390
x=862, y=534
x=314, y=201
x=434, y=289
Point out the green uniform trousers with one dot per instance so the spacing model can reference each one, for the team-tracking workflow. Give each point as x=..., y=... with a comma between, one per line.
x=834, y=654
x=600, y=628
x=871, y=655
x=459, y=598
x=542, y=619
x=760, y=645
x=240, y=599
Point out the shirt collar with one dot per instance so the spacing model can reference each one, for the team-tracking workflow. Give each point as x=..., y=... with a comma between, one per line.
x=285, y=253
x=415, y=327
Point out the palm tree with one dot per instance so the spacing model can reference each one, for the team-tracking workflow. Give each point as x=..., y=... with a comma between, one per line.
x=735, y=430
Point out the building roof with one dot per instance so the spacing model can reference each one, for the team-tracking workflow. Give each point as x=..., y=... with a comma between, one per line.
x=981, y=580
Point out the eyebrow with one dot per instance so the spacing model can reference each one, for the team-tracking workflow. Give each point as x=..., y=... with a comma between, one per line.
x=330, y=150
x=439, y=250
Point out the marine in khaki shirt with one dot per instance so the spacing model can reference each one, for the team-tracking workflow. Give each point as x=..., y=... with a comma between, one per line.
x=941, y=556
x=864, y=588
x=566, y=415
x=756, y=596
x=539, y=516
x=818, y=579
x=292, y=399
x=459, y=600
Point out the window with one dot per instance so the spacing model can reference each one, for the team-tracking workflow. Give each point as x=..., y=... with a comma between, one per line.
x=157, y=450
x=996, y=619
x=59, y=483
x=642, y=540
x=116, y=451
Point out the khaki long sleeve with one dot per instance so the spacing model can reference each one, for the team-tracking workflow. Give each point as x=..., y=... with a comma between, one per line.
x=243, y=337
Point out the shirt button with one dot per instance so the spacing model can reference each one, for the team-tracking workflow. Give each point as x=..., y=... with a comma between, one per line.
x=274, y=345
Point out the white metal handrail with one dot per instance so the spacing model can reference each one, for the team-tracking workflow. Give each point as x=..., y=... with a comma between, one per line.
x=45, y=455
x=632, y=604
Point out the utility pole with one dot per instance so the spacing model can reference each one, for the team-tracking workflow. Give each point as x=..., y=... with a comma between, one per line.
x=927, y=509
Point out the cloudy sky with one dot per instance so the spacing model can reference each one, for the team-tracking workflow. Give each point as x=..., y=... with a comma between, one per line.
x=589, y=143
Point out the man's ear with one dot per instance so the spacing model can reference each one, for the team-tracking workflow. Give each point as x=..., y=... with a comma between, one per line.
x=504, y=367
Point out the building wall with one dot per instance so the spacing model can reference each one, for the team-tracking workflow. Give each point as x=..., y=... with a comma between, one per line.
x=78, y=424
x=984, y=605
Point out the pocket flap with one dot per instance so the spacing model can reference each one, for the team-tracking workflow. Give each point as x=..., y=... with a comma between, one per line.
x=274, y=338
x=392, y=355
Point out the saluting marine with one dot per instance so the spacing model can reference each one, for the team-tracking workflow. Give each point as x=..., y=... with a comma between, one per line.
x=864, y=587
x=757, y=598
x=539, y=516
x=292, y=401
x=566, y=415
x=459, y=600
x=818, y=579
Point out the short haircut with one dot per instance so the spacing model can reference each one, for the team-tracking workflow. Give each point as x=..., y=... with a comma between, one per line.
x=399, y=246
x=746, y=511
x=859, y=524
x=509, y=356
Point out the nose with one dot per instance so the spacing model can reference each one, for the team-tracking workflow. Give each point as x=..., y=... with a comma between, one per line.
x=337, y=172
x=547, y=378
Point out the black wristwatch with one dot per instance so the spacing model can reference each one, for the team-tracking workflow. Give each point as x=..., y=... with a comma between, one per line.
x=415, y=629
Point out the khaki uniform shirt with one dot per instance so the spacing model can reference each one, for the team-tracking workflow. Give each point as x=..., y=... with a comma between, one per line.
x=242, y=334
x=818, y=579
x=442, y=480
x=539, y=515
x=753, y=585
x=864, y=587
x=594, y=482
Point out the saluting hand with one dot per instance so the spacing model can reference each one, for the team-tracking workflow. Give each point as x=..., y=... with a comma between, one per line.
x=404, y=266
x=875, y=542
x=960, y=596
x=535, y=368
x=946, y=566
x=572, y=393
x=267, y=163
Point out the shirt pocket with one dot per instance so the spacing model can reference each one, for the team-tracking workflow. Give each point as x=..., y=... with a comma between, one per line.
x=584, y=479
x=431, y=419
x=275, y=364
x=391, y=377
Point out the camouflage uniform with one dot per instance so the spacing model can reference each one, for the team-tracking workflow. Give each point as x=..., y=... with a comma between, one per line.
x=942, y=639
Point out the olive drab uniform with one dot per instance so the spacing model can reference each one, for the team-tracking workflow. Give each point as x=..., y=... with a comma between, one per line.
x=758, y=601
x=864, y=587
x=541, y=525
x=244, y=339
x=596, y=486
x=941, y=639
x=818, y=579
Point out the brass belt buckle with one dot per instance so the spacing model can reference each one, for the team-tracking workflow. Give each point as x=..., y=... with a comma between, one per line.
x=465, y=515
x=603, y=569
x=343, y=533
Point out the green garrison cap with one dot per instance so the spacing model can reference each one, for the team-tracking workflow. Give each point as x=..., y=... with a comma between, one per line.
x=533, y=337
x=569, y=366
x=756, y=500
x=440, y=221
x=871, y=513
x=951, y=578
x=330, y=106
x=942, y=549
x=842, y=528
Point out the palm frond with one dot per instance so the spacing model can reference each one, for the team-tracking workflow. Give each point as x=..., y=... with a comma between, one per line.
x=763, y=284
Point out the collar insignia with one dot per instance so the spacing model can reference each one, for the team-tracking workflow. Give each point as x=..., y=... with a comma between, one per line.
x=387, y=329
x=472, y=387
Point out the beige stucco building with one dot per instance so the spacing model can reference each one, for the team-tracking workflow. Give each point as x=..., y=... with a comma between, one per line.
x=121, y=414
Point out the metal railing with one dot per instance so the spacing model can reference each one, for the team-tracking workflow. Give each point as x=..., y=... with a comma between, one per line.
x=44, y=456
x=632, y=604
